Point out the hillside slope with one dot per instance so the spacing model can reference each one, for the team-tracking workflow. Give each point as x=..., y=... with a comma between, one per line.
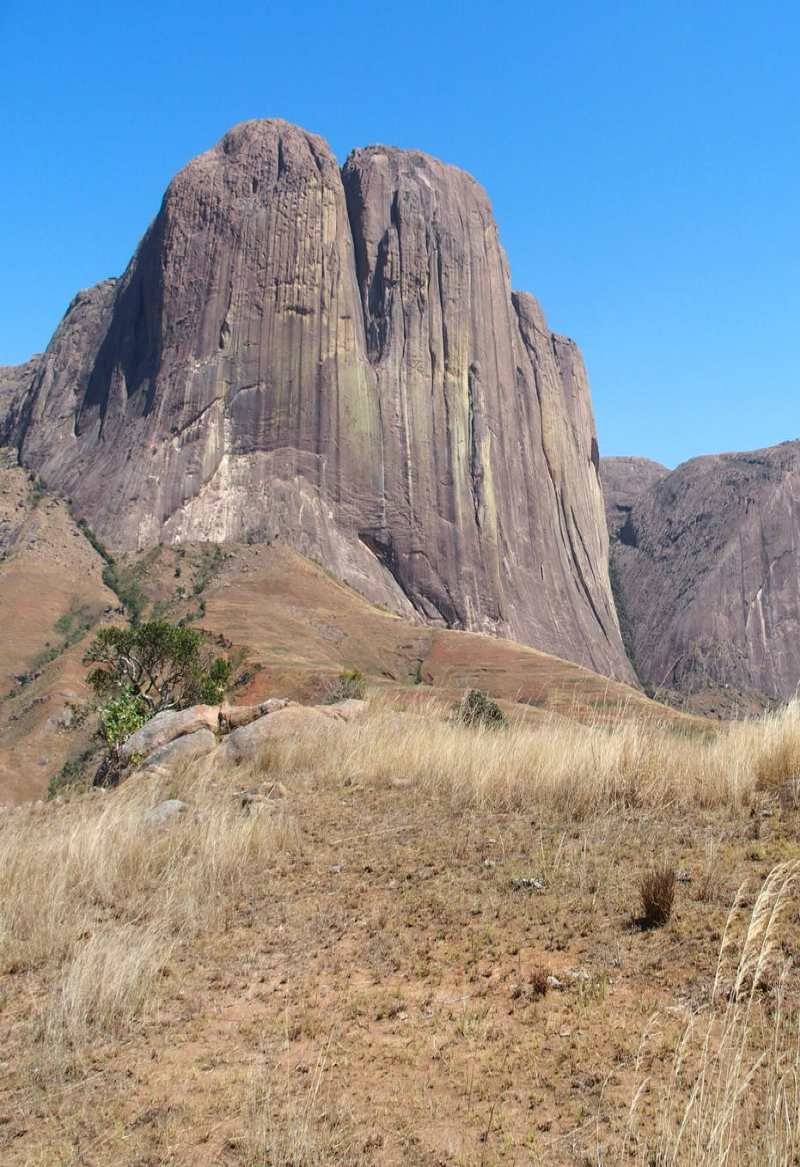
x=289, y=626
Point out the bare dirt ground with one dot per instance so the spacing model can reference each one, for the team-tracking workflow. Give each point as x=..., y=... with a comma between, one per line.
x=377, y=992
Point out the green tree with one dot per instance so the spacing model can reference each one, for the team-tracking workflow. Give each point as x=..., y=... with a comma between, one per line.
x=154, y=666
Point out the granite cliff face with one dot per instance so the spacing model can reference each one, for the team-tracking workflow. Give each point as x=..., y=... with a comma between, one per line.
x=335, y=359
x=707, y=568
x=624, y=481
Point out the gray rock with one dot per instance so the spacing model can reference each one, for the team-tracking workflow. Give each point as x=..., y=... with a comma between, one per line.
x=624, y=481
x=183, y=749
x=708, y=571
x=165, y=812
x=167, y=726
x=235, y=716
x=246, y=743
x=338, y=357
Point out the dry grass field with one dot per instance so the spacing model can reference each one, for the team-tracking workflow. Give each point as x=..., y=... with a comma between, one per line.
x=422, y=944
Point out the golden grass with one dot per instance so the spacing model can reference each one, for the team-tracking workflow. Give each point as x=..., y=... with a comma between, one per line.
x=565, y=767
x=734, y=1096
x=309, y=1131
x=104, y=986
x=97, y=898
x=97, y=904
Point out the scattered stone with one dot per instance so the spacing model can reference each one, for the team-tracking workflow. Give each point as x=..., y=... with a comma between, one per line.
x=554, y=983
x=164, y=812
x=258, y=795
x=683, y=876
x=167, y=726
x=528, y=883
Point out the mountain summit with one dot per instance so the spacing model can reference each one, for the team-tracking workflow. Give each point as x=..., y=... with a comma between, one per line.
x=336, y=359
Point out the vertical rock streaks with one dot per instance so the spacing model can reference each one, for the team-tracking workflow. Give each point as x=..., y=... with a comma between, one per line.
x=335, y=359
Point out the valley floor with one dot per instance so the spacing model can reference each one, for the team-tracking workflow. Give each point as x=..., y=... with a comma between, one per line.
x=353, y=968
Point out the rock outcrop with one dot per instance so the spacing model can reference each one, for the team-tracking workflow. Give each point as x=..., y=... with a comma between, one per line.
x=336, y=360
x=707, y=567
x=624, y=481
x=168, y=726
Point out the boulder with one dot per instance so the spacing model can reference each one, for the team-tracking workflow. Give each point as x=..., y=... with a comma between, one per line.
x=183, y=749
x=167, y=726
x=235, y=716
x=246, y=743
x=164, y=813
x=347, y=710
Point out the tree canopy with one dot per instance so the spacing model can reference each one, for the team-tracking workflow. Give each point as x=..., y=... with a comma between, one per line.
x=157, y=664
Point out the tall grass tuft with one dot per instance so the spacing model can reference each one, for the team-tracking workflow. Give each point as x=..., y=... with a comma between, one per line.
x=733, y=1099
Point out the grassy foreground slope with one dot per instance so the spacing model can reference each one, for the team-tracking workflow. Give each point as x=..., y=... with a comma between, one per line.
x=354, y=970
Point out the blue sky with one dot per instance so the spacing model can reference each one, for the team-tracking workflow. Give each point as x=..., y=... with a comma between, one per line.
x=643, y=161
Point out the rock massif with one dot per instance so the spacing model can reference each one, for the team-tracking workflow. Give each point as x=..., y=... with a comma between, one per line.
x=707, y=569
x=624, y=481
x=334, y=358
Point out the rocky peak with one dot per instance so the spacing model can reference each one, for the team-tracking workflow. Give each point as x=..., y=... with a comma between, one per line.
x=336, y=359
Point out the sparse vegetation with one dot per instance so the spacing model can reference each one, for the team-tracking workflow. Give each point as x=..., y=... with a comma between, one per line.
x=128, y=590
x=349, y=684
x=657, y=893
x=38, y=490
x=210, y=564
x=92, y=539
x=478, y=708
x=732, y=1095
x=360, y=932
x=73, y=773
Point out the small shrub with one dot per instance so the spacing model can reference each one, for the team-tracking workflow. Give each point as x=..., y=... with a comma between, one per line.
x=38, y=491
x=122, y=716
x=72, y=774
x=538, y=983
x=477, y=708
x=92, y=539
x=351, y=684
x=657, y=892
x=126, y=587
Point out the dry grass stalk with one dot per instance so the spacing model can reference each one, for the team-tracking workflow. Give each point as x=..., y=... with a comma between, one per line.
x=567, y=767
x=734, y=1096
x=657, y=892
x=97, y=899
x=284, y=1131
x=105, y=985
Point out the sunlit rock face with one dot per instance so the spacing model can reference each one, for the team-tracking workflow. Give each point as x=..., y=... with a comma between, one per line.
x=334, y=358
x=707, y=563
